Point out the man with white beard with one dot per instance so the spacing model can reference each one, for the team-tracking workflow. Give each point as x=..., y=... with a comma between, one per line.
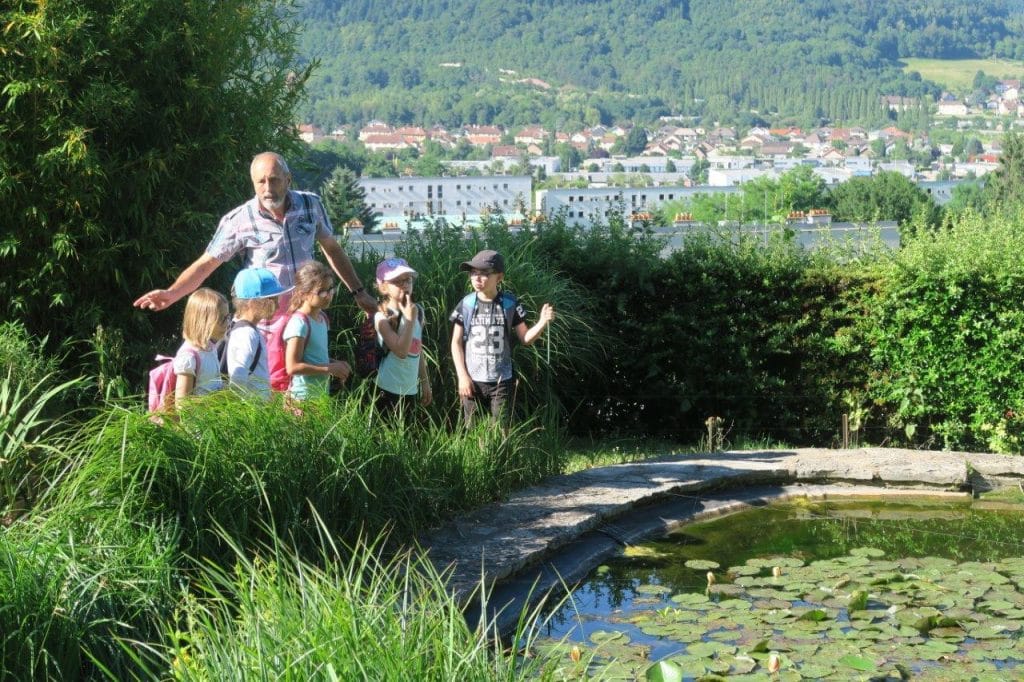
x=276, y=229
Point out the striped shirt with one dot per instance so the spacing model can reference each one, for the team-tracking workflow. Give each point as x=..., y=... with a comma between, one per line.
x=281, y=247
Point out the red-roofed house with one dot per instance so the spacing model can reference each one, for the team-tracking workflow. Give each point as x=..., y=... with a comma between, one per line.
x=375, y=128
x=378, y=141
x=531, y=135
x=480, y=136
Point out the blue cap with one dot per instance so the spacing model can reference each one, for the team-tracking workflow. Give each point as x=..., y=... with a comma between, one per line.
x=257, y=283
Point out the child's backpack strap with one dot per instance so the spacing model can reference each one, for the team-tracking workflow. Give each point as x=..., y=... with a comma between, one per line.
x=468, y=309
x=279, y=377
x=470, y=303
x=222, y=347
x=508, y=304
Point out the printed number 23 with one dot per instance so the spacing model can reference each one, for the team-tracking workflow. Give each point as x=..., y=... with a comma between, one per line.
x=491, y=341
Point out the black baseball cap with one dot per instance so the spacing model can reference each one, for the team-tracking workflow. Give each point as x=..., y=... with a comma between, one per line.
x=485, y=260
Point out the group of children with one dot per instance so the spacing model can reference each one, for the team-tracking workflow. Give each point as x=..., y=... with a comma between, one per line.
x=277, y=337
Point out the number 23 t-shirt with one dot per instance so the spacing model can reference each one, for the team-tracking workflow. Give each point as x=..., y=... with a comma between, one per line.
x=488, y=350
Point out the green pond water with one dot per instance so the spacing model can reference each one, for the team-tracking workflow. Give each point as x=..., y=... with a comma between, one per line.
x=908, y=588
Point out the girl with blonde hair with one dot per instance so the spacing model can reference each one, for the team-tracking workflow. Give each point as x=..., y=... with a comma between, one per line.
x=196, y=364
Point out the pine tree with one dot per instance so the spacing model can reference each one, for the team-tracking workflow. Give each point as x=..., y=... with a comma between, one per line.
x=345, y=201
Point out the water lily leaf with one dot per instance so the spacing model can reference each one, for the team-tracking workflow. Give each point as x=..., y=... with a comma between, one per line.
x=814, y=615
x=726, y=589
x=601, y=636
x=692, y=599
x=858, y=600
x=941, y=646
x=692, y=666
x=740, y=665
x=814, y=672
x=665, y=671
x=708, y=649
x=867, y=551
x=760, y=646
x=702, y=564
x=747, y=569
x=858, y=662
x=651, y=589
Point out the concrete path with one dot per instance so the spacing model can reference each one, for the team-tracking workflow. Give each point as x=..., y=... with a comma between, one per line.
x=536, y=525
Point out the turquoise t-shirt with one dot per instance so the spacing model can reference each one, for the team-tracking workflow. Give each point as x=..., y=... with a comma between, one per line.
x=304, y=386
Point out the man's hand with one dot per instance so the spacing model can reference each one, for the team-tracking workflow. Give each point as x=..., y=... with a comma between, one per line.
x=188, y=281
x=158, y=299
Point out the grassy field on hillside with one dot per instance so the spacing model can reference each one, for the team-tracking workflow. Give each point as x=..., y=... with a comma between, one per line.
x=957, y=75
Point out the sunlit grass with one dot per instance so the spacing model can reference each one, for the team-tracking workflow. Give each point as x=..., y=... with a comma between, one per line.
x=957, y=75
x=348, y=616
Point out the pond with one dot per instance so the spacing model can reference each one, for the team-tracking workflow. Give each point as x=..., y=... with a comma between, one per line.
x=888, y=588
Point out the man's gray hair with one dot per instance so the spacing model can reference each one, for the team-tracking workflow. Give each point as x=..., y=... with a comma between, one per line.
x=278, y=161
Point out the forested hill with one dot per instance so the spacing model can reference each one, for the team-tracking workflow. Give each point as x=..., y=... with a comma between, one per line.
x=560, y=62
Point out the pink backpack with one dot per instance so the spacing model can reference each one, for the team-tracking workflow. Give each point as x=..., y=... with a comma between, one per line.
x=162, y=381
x=279, y=377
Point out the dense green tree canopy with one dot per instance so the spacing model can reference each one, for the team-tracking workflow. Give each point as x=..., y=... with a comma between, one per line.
x=576, y=62
x=883, y=196
x=127, y=128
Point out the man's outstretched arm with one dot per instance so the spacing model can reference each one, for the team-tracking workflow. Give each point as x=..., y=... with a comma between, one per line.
x=188, y=281
x=342, y=266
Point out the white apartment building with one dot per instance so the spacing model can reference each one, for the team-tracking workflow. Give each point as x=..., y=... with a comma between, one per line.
x=583, y=206
x=454, y=198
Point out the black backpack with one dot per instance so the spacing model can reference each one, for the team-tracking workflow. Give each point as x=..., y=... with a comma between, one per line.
x=222, y=347
x=370, y=352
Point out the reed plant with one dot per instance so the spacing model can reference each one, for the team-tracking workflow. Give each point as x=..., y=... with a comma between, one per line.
x=244, y=468
x=350, y=615
x=73, y=588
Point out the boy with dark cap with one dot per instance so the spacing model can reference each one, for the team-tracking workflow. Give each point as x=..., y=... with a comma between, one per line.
x=485, y=324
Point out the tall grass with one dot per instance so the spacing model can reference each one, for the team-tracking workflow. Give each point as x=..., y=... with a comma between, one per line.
x=248, y=467
x=27, y=436
x=73, y=587
x=139, y=515
x=279, y=617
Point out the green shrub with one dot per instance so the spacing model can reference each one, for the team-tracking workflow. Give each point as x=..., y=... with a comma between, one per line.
x=947, y=335
x=757, y=334
x=127, y=130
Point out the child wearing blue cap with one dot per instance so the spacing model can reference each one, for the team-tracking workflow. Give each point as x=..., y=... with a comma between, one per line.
x=244, y=359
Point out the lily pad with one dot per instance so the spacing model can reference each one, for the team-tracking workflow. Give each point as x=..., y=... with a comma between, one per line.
x=665, y=671
x=702, y=564
x=872, y=552
x=858, y=662
x=601, y=636
x=650, y=589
